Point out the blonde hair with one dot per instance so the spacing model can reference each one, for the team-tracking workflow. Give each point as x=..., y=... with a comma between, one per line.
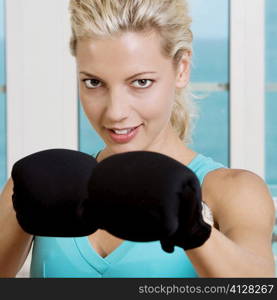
x=102, y=18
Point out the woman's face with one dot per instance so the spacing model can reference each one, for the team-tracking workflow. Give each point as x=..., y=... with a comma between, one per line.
x=127, y=89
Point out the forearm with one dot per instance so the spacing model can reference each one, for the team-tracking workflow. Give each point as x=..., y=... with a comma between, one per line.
x=14, y=242
x=221, y=257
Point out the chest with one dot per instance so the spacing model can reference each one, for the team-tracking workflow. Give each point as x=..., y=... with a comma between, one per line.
x=103, y=242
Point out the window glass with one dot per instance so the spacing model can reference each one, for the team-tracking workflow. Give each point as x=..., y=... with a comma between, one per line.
x=271, y=96
x=271, y=108
x=89, y=141
x=210, y=77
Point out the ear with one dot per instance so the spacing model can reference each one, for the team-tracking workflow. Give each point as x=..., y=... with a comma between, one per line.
x=183, y=70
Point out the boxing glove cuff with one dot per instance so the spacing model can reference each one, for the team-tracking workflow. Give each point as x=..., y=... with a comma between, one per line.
x=207, y=214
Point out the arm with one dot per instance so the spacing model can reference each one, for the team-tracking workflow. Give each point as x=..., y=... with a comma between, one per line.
x=245, y=214
x=14, y=242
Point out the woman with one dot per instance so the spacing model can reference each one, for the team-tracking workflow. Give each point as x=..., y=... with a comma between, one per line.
x=133, y=60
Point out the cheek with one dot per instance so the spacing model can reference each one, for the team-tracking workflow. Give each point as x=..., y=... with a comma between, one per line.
x=160, y=103
x=91, y=108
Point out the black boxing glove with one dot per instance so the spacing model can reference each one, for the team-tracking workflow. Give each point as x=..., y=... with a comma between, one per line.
x=50, y=187
x=146, y=196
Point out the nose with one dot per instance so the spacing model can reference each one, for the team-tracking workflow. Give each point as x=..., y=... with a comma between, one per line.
x=118, y=106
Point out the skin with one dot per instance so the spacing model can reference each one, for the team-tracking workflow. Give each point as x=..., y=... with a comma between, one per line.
x=242, y=230
x=15, y=243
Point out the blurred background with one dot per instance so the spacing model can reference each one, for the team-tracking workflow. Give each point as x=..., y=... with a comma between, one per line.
x=234, y=74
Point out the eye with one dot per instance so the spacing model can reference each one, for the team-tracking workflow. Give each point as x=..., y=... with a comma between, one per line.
x=91, y=83
x=143, y=83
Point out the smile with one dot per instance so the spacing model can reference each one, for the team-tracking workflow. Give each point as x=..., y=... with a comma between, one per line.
x=125, y=135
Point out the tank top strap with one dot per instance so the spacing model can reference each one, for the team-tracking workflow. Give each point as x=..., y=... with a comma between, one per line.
x=95, y=154
x=201, y=165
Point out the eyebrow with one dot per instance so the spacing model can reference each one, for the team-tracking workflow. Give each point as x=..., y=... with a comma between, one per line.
x=95, y=76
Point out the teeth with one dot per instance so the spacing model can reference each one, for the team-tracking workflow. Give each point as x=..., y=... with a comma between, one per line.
x=124, y=131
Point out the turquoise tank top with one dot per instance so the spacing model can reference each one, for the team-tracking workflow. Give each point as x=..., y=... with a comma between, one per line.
x=75, y=257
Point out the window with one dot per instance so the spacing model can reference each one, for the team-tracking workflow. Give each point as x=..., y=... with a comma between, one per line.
x=271, y=96
x=89, y=141
x=271, y=106
x=210, y=77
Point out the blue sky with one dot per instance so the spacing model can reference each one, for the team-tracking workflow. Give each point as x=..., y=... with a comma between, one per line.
x=1, y=19
x=210, y=18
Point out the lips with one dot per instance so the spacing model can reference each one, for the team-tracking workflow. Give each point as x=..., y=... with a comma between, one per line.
x=123, y=135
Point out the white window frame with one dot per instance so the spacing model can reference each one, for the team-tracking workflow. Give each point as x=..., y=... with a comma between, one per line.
x=42, y=111
x=247, y=85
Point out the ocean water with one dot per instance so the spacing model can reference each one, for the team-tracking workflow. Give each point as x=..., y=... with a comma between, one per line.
x=271, y=41
x=271, y=97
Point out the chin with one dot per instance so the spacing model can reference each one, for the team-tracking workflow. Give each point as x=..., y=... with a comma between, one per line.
x=121, y=148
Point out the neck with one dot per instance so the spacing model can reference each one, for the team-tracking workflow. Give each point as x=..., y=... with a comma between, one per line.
x=174, y=147
x=168, y=144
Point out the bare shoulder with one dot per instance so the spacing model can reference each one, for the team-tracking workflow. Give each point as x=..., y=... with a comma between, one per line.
x=241, y=204
x=224, y=186
x=6, y=194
